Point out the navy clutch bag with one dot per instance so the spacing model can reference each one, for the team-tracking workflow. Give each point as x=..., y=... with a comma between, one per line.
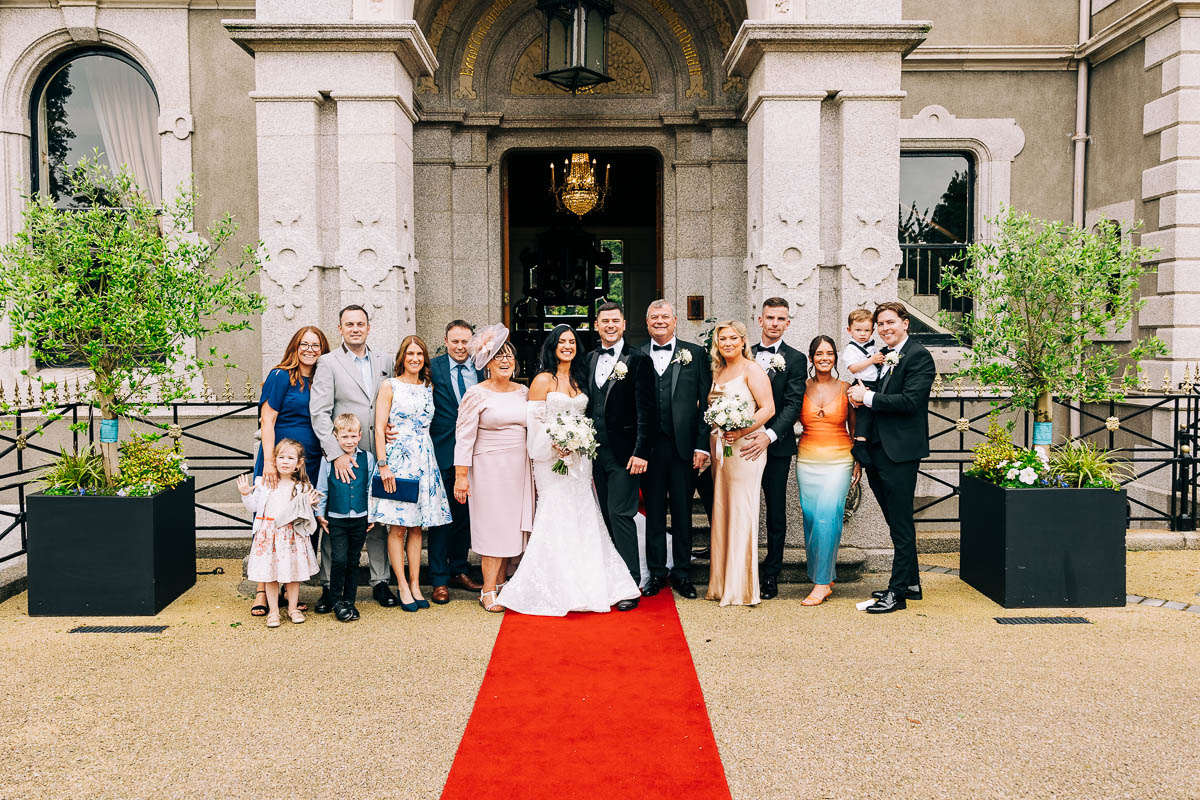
x=406, y=489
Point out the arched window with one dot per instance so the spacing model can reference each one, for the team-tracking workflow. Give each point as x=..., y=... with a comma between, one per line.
x=95, y=99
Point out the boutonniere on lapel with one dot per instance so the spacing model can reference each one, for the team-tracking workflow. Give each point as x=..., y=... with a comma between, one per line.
x=891, y=359
x=620, y=370
x=776, y=363
x=683, y=357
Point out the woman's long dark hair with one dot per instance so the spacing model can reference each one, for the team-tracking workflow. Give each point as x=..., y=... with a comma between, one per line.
x=548, y=358
x=812, y=352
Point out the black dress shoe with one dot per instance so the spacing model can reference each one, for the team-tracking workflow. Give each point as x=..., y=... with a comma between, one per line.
x=888, y=603
x=325, y=604
x=653, y=586
x=769, y=589
x=910, y=593
x=684, y=587
x=341, y=610
x=627, y=605
x=354, y=612
x=383, y=595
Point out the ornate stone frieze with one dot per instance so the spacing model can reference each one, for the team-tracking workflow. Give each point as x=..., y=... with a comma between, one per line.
x=291, y=255
x=686, y=45
x=625, y=65
x=466, y=69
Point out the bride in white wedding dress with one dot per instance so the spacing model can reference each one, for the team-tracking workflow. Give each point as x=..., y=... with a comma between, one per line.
x=570, y=563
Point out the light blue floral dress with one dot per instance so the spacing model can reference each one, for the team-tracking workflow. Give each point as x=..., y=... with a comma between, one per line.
x=411, y=456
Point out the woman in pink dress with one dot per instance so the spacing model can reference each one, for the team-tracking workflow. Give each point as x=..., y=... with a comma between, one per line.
x=491, y=465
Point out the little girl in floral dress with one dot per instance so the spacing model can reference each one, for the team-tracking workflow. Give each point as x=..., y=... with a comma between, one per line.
x=280, y=552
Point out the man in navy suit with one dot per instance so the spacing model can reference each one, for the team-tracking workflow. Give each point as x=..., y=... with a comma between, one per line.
x=453, y=374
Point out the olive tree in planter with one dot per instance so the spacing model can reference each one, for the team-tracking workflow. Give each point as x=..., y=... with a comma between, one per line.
x=1046, y=527
x=124, y=291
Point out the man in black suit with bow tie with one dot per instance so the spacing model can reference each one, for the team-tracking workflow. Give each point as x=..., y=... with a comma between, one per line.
x=898, y=440
x=621, y=406
x=682, y=379
x=787, y=368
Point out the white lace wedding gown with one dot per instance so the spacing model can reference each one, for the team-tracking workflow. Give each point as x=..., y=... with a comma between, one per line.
x=570, y=563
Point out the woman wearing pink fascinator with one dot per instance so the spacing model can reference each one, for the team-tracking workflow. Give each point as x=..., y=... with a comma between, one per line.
x=491, y=466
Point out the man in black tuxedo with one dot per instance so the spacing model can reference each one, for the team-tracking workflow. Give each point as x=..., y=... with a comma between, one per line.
x=682, y=377
x=787, y=368
x=453, y=373
x=621, y=406
x=898, y=441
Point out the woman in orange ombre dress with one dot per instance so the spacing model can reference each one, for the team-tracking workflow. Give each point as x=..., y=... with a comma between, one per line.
x=825, y=468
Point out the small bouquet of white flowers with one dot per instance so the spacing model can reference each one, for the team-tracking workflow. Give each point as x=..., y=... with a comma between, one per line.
x=729, y=413
x=574, y=434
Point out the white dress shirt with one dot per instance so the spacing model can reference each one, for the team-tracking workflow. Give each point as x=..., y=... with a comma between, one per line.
x=606, y=362
x=763, y=357
x=852, y=354
x=869, y=397
x=662, y=358
x=470, y=376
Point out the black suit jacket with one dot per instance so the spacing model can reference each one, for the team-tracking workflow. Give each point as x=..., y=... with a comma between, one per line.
x=445, y=410
x=690, y=384
x=900, y=407
x=627, y=405
x=787, y=388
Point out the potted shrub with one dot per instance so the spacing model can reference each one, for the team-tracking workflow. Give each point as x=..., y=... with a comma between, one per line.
x=125, y=292
x=1046, y=526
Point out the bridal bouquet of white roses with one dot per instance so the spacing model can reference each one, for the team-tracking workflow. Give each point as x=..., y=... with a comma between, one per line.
x=573, y=434
x=729, y=413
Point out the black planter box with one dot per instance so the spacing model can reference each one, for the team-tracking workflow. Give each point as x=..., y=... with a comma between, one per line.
x=110, y=556
x=1043, y=548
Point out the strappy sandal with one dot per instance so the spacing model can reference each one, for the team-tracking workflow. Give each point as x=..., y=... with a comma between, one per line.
x=273, y=620
x=259, y=609
x=300, y=604
x=492, y=607
x=816, y=601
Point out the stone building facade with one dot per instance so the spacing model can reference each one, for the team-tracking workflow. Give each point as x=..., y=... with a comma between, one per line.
x=382, y=149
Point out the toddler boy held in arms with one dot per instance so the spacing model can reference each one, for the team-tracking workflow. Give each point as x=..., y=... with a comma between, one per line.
x=342, y=514
x=863, y=361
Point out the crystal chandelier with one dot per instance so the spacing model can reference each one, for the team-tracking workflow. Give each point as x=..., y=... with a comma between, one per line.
x=579, y=192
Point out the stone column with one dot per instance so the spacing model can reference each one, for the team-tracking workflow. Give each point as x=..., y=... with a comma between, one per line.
x=823, y=154
x=823, y=175
x=333, y=91
x=1175, y=183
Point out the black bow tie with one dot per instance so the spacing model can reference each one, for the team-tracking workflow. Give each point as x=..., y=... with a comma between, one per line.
x=870, y=343
x=884, y=350
x=772, y=349
x=658, y=347
x=608, y=351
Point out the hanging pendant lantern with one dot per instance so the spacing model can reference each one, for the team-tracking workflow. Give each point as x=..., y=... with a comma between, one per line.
x=576, y=46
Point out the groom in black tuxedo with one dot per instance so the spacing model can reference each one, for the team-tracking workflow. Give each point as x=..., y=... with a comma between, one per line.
x=621, y=406
x=898, y=441
x=682, y=377
x=787, y=368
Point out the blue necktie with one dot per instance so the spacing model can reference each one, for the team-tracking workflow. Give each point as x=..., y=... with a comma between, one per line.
x=462, y=383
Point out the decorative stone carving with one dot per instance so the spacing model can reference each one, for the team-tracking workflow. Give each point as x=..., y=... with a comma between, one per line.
x=686, y=46
x=290, y=257
x=625, y=65
x=466, y=70
x=180, y=124
x=428, y=84
x=872, y=252
x=80, y=22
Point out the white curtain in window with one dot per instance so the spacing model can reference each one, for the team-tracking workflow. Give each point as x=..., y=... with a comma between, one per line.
x=127, y=112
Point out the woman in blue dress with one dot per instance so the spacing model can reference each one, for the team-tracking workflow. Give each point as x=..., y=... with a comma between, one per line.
x=283, y=414
x=406, y=403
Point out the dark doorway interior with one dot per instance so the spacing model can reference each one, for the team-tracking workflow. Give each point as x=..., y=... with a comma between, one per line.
x=560, y=268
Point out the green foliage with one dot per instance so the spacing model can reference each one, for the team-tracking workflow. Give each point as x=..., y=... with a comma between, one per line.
x=998, y=449
x=74, y=472
x=1043, y=293
x=123, y=288
x=146, y=467
x=1084, y=465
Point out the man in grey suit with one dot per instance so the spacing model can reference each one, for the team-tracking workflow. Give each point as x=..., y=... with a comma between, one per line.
x=347, y=380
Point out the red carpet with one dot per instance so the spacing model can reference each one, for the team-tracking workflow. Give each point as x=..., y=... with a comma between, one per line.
x=604, y=706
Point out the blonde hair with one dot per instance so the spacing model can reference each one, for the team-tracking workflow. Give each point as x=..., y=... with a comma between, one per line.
x=859, y=315
x=344, y=422
x=718, y=360
x=300, y=481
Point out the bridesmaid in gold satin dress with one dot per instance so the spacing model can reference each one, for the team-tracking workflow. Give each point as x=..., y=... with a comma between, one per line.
x=733, y=579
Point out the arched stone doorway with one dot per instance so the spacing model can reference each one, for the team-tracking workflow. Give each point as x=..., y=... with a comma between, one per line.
x=670, y=97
